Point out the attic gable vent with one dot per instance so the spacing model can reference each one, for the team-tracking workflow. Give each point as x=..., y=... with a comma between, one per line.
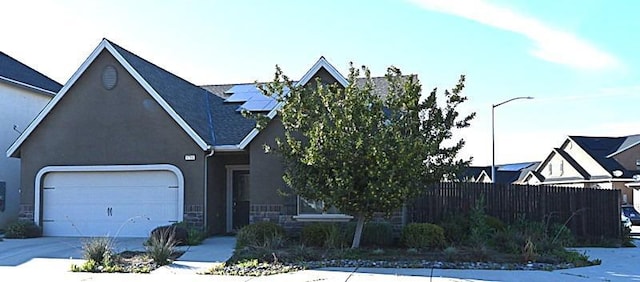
x=109, y=77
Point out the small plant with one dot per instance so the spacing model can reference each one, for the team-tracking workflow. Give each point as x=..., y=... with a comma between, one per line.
x=378, y=252
x=450, y=253
x=261, y=234
x=422, y=235
x=480, y=231
x=160, y=247
x=96, y=249
x=99, y=256
x=22, y=229
x=529, y=251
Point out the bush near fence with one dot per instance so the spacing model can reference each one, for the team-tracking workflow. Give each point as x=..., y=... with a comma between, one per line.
x=588, y=212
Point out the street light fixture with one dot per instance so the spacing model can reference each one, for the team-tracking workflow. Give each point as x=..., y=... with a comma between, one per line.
x=493, y=135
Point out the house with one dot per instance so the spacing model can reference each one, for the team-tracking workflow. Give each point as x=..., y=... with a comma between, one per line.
x=592, y=162
x=127, y=146
x=24, y=92
x=505, y=173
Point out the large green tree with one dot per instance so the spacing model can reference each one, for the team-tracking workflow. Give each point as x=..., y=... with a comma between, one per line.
x=362, y=151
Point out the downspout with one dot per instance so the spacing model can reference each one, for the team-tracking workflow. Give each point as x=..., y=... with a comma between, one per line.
x=206, y=160
x=206, y=188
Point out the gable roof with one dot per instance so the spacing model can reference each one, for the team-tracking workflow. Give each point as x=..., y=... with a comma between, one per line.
x=15, y=72
x=201, y=114
x=599, y=148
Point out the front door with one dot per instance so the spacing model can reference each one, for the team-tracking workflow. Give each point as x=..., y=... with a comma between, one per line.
x=241, y=198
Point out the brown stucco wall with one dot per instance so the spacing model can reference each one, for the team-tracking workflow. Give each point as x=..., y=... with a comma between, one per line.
x=217, y=191
x=628, y=158
x=122, y=126
x=266, y=169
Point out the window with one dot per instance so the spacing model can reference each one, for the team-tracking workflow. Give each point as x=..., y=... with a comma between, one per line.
x=315, y=211
x=561, y=168
x=550, y=169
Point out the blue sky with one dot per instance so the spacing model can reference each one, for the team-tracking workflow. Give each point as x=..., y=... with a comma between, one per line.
x=579, y=59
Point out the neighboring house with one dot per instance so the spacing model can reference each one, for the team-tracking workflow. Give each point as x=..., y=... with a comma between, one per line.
x=592, y=162
x=505, y=173
x=127, y=146
x=23, y=94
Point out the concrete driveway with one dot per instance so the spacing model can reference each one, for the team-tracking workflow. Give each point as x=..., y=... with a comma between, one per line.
x=14, y=252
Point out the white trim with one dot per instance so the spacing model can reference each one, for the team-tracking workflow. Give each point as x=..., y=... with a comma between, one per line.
x=25, y=85
x=485, y=174
x=603, y=180
x=247, y=139
x=163, y=167
x=227, y=148
x=229, y=184
x=104, y=44
x=325, y=217
x=322, y=63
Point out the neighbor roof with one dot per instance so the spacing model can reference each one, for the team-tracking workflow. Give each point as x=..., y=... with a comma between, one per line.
x=14, y=71
x=599, y=148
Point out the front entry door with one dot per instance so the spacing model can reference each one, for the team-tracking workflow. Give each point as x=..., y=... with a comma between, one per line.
x=241, y=198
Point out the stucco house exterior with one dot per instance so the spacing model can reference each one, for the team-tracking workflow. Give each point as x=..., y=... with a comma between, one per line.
x=127, y=146
x=593, y=162
x=24, y=92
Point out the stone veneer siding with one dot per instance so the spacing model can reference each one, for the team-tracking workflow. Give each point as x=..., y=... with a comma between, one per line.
x=194, y=216
x=26, y=212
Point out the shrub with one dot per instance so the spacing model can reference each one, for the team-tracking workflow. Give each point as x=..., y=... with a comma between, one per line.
x=376, y=234
x=261, y=234
x=494, y=223
x=322, y=235
x=422, y=235
x=161, y=246
x=194, y=236
x=22, y=229
x=456, y=228
x=179, y=234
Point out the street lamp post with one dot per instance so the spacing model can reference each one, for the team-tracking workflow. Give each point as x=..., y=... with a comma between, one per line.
x=493, y=135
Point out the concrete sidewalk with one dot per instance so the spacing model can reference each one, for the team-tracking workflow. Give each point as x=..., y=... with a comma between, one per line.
x=618, y=264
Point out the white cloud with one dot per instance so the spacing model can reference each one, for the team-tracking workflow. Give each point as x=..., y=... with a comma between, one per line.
x=551, y=44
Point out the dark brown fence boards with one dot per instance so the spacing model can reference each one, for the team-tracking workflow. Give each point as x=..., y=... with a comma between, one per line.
x=589, y=213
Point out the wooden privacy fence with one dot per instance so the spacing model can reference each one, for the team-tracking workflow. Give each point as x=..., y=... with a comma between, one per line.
x=589, y=213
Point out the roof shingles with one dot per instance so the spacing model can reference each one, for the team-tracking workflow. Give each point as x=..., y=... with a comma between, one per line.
x=214, y=121
x=12, y=69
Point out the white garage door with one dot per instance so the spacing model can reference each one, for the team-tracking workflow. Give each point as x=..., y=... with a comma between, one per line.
x=108, y=203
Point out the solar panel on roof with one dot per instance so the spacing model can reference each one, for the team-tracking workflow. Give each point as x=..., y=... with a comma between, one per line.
x=242, y=88
x=259, y=105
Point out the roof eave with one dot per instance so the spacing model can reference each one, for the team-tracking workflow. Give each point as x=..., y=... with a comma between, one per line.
x=28, y=86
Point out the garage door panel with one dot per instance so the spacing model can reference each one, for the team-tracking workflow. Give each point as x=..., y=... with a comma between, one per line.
x=122, y=203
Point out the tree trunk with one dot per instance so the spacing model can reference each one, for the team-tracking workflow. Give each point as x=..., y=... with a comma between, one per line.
x=358, y=234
